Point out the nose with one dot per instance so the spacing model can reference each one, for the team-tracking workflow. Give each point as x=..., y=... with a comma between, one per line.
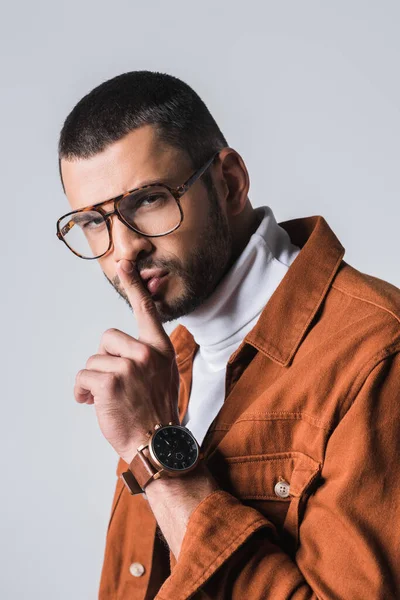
x=126, y=243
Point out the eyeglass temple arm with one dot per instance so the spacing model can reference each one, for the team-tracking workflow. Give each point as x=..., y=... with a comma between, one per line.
x=185, y=186
x=67, y=227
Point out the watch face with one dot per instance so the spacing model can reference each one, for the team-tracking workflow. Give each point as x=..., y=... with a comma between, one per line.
x=175, y=447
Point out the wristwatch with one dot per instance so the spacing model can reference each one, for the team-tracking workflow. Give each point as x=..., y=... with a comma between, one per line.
x=172, y=451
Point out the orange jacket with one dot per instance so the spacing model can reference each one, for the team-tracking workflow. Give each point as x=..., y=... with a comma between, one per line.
x=312, y=401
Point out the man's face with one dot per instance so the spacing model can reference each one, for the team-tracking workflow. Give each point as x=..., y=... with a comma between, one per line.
x=196, y=255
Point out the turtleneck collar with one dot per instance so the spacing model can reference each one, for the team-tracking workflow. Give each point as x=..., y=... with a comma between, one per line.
x=232, y=309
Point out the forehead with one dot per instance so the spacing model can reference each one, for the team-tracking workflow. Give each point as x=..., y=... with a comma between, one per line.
x=136, y=159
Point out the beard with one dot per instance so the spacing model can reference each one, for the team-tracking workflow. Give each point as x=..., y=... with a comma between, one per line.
x=204, y=266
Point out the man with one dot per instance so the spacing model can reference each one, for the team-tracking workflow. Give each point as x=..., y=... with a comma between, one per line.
x=272, y=411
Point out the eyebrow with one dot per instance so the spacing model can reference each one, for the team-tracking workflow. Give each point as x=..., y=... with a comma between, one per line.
x=165, y=180
x=79, y=218
x=160, y=180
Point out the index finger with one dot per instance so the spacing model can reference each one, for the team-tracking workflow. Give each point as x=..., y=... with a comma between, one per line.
x=150, y=327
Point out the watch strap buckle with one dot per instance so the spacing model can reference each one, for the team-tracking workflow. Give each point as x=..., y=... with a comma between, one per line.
x=144, y=472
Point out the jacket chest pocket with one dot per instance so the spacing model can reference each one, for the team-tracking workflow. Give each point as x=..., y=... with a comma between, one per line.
x=277, y=485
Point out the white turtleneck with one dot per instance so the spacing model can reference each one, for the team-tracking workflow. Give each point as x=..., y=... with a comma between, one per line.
x=224, y=319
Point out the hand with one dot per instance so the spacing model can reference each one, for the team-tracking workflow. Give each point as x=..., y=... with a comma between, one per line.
x=133, y=383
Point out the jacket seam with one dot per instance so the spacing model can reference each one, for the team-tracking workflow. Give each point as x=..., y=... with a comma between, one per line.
x=384, y=308
x=116, y=504
x=365, y=372
x=267, y=458
x=276, y=416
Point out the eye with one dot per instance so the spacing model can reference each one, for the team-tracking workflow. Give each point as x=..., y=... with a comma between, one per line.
x=149, y=199
x=88, y=220
x=92, y=223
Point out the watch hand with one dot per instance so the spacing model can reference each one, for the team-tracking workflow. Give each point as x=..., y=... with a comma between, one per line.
x=172, y=449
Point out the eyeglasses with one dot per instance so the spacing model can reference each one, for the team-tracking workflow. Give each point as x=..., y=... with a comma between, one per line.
x=152, y=210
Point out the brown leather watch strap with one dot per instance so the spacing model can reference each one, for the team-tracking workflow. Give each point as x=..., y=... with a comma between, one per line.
x=139, y=474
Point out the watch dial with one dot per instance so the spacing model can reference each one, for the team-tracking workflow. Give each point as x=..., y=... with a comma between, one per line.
x=175, y=447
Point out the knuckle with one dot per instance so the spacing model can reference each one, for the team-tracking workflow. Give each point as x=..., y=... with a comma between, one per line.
x=89, y=362
x=109, y=332
x=127, y=366
x=109, y=381
x=144, y=354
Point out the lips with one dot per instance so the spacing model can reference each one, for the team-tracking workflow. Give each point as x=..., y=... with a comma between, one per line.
x=153, y=278
x=148, y=274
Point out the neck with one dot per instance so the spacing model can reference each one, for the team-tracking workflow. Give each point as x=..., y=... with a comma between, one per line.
x=234, y=306
x=243, y=228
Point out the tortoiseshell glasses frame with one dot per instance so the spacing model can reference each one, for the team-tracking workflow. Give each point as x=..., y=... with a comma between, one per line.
x=177, y=193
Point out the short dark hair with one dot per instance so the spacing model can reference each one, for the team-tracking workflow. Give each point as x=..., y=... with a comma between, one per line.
x=131, y=100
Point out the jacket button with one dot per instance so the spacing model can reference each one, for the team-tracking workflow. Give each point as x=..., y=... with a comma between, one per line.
x=136, y=569
x=282, y=489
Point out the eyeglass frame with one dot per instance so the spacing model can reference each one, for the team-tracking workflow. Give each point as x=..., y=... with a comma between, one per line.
x=176, y=192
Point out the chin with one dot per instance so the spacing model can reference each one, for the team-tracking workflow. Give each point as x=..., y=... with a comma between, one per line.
x=172, y=302
x=166, y=316
x=168, y=311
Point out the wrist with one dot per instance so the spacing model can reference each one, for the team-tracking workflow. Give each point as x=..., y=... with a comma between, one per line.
x=145, y=438
x=130, y=454
x=199, y=479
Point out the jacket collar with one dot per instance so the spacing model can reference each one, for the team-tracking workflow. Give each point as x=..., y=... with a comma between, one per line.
x=290, y=310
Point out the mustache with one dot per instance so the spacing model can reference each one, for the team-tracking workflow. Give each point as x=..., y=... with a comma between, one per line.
x=170, y=266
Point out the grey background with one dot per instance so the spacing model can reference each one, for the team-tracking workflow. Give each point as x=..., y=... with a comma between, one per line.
x=308, y=92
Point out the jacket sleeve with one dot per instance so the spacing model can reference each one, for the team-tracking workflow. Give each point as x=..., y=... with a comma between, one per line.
x=349, y=537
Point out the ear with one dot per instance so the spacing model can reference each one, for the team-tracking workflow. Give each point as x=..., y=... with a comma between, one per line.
x=234, y=179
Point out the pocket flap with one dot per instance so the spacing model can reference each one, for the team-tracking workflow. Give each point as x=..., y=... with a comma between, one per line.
x=255, y=476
